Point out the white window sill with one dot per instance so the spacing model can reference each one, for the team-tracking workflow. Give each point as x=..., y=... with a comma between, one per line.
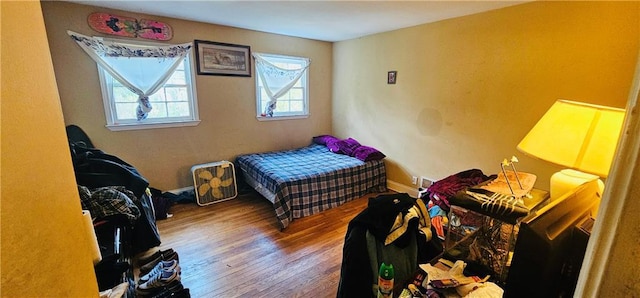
x=137, y=126
x=275, y=118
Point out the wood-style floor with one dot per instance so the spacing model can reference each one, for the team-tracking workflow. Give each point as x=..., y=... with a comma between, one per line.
x=235, y=248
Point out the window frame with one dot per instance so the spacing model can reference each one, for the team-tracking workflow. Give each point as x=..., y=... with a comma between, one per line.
x=304, y=80
x=150, y=123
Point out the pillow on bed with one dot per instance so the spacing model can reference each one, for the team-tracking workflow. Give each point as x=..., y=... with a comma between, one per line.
x=332, y=144
x=366, y=153
x=347, y=146
x=322, y=140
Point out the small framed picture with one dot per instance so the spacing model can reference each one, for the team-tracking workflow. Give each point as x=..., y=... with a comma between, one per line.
x=392, y=76
x=223, y=59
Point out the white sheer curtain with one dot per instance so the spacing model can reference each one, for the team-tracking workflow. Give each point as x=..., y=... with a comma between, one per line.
x=276, y=81
x=142, y=68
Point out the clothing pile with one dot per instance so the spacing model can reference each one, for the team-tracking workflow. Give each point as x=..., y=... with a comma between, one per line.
x=440, y=194
x=119, y=200
x=446, y=279
x=107, y=201
x=111, y=188
x=394, y=229
x=160, y=275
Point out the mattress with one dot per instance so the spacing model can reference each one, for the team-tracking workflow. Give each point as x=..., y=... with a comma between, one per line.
x=308, y=180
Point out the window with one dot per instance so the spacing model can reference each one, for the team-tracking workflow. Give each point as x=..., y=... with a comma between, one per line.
x=174, y=104
x=135, y=75
x=286, y=86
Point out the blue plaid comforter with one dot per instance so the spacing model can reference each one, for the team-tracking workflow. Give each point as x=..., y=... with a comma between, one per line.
x=309, y=180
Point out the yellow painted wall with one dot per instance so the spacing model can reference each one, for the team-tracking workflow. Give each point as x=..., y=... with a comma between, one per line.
x=227, y=104
x=452, y=75
x=469, y=89
x=44, y=249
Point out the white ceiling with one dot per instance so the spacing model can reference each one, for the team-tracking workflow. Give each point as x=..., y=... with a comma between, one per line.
x=321, y=20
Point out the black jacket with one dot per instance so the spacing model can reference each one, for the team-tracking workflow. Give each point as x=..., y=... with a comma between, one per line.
x=357, y=276
x=94, y=168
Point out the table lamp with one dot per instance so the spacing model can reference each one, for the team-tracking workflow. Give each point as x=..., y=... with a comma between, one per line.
x=580, y=136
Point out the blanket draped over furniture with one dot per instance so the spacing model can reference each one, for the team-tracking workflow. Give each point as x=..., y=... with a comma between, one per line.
x=308, y=180
x=442, y=191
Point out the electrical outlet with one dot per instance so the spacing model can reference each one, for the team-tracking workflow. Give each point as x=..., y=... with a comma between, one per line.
x=414, y=180
x=425, y=182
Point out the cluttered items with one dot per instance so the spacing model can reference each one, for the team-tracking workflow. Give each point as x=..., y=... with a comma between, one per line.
x=483, y=220
x=503, y=197
x=448, y=279
x=476, y=215
x=510, y=181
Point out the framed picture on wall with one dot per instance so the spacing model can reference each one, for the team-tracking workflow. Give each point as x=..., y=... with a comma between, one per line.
x=223, y=59
x=392, y=76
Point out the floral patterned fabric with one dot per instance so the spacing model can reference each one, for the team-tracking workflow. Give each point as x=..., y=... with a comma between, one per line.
x=277, y=81
x=112, y=49
x=156, y=70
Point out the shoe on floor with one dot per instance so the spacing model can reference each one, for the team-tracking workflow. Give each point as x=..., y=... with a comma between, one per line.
x=184, y=293
x=158, y=282
x=161, y=266
x=171, y=292
x=162, y=292
x=149, y=257
x=144, y=269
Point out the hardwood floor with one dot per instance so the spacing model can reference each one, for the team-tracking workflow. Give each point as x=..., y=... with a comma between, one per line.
x=236, y=249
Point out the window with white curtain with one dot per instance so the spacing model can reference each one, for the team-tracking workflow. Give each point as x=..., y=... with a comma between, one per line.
x=174, y=104
x=281, y=86
x=144, y=85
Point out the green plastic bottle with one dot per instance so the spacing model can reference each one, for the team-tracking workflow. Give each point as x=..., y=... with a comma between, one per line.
x=385, y=281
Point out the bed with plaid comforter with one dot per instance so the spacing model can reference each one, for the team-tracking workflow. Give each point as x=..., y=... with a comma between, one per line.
x=308, y=180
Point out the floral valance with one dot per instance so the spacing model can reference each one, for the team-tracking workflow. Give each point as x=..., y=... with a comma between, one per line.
x=276, y=80
x=119, y=49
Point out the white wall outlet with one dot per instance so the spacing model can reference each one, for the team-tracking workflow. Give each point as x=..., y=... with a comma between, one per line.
x=425, y=182
x=414, y=180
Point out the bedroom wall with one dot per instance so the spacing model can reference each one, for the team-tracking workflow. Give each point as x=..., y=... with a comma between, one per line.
x=469, y=89
x=226, y=104
x=44, y=248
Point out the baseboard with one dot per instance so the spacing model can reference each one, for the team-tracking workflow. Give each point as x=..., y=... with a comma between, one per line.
x=180, y=190
x=395, y=186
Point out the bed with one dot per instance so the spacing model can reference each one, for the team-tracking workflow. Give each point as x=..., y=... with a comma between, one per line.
x=308, y=180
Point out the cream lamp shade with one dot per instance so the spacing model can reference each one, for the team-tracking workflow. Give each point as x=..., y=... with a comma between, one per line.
x=576, y=135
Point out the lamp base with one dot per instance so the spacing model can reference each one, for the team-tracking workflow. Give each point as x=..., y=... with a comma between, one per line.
x=566, y=180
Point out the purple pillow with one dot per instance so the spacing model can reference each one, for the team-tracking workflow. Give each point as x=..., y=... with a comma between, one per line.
x=322, y=140
x=366, y=153
x=332, y=144
x=347, y=146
